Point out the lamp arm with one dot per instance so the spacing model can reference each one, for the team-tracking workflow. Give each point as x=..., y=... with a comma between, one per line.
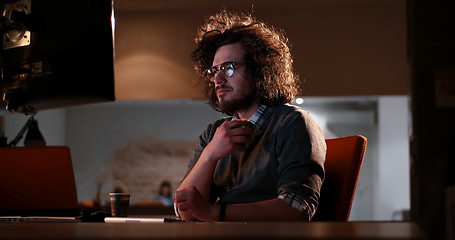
x=20, y=135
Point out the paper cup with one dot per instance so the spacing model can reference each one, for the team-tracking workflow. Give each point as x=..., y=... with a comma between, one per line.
x=119, y=204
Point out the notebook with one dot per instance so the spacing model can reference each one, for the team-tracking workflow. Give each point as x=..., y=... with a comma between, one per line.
x=143, y=220
x=38, y=219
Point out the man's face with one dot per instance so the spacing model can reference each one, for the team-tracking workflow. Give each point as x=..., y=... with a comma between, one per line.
x=233, y=92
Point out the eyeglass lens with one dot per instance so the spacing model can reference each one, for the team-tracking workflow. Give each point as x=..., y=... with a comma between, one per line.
x=227, y=68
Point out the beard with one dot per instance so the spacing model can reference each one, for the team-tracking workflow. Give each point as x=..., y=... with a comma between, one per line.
x=244, y=101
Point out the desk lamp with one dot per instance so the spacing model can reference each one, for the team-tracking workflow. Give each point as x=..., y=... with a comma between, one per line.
x=33, y=137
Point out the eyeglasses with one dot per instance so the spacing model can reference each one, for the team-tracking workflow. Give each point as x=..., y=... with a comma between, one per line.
x=227, y=68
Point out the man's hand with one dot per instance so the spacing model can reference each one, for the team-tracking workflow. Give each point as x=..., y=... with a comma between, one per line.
x=229, y=137
x=191, y=205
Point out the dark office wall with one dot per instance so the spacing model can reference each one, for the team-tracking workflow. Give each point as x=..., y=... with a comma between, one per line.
x=340, y=48
x=432, y=50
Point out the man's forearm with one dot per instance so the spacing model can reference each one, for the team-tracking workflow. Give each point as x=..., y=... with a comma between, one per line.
x=201, y=176
x=269, y=210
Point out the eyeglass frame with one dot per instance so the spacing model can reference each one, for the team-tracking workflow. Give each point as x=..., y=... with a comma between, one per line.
x=222, y=68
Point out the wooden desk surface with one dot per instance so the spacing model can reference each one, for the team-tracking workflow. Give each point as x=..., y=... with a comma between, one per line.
x=251, y=230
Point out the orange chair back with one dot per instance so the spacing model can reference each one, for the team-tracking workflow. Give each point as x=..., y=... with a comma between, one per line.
x=342, y=168
x=37, y=181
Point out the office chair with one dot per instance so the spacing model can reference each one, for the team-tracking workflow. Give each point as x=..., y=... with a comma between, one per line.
x=342, y=167
x=37, y=181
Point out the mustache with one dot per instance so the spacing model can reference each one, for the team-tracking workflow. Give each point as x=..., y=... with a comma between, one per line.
x=223, y=86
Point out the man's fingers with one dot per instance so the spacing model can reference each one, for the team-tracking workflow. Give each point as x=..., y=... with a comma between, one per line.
x=182, y=206
x=241, y=131
x=185, y=194
x=236, y=123
x=184, y=198
x=181, y=197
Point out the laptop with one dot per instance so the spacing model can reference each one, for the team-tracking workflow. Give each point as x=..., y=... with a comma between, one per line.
x=37, y=183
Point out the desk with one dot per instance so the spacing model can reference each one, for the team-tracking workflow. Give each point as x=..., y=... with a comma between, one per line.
x=251, y=230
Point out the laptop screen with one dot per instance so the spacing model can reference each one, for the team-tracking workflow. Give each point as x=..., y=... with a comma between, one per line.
x=37, y=181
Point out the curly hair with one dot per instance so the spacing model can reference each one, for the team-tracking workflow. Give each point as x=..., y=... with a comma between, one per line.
x=268, y=56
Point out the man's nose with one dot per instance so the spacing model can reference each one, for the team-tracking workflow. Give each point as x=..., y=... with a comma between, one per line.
x=219, y=77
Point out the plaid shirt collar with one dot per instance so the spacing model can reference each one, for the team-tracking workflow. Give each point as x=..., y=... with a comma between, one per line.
x=258, y=117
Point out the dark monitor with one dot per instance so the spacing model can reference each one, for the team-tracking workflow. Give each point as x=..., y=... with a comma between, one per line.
x=55, y=54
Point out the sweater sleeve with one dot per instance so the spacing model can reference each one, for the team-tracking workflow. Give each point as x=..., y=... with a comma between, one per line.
x=301, y=153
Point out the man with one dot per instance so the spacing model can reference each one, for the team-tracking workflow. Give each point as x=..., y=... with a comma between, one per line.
x=266, y=162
